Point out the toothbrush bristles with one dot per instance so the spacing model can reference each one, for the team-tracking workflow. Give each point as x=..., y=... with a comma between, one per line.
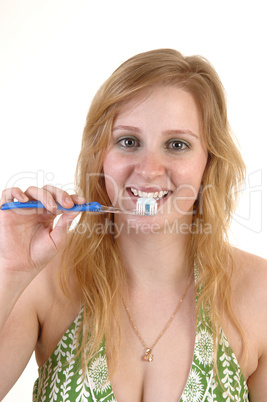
x=146, y=206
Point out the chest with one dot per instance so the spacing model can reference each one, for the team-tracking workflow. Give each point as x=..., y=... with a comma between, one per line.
x=173, y=373
x=163, y=378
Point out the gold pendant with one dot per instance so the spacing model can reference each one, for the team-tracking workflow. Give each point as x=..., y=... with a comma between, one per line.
x=148, y=356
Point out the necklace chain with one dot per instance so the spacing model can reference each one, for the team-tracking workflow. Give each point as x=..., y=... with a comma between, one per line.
x=148, y=353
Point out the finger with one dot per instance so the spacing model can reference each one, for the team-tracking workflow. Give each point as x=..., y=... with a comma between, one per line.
x=49, y=195
x=61, y=196
x=77, y=199
x=60, y=232
x=39, y=194
x=9, y=194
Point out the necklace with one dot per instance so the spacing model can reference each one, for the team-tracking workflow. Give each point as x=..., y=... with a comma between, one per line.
x=148, y=357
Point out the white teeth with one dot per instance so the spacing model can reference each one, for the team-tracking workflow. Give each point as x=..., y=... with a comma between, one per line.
x=134, y=191
x=156, y=194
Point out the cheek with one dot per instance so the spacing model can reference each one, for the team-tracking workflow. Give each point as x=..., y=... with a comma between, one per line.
x=188, y=179
x=116, y=171
x=109, y=168
x=189, y=174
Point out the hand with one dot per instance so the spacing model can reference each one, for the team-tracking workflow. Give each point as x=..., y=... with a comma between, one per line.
x=28, y=241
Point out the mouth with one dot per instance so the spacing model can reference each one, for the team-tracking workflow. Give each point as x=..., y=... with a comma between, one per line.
x=158, y=195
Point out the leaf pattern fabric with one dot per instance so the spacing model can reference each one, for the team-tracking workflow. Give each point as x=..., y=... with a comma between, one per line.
x=61, y=377
x=203, y=384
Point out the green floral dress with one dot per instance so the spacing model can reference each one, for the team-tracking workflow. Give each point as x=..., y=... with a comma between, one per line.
x=60, y=378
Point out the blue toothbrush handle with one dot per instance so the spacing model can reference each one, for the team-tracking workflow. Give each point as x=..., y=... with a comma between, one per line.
x=88, y=206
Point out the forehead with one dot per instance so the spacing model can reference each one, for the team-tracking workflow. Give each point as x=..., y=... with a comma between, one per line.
x=169, y=107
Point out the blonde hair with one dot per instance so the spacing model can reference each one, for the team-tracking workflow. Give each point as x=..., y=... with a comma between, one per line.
x=94, y=261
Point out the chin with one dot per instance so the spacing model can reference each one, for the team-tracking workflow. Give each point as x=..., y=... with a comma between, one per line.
x=171, y=224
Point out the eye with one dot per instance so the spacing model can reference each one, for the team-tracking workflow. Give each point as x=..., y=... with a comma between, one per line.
x=178, y=145
x=128, y=142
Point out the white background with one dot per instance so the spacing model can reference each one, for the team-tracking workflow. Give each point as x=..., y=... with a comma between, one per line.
x=54, y=54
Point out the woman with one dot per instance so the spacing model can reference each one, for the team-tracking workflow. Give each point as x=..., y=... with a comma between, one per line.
x=139, y=308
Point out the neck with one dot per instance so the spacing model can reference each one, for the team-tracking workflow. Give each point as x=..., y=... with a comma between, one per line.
x=155, y=261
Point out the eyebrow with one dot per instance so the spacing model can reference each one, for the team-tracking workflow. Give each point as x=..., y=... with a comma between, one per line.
x=167, y=132
x=128, y=128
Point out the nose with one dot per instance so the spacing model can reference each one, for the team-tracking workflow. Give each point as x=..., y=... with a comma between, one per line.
x=150, y=166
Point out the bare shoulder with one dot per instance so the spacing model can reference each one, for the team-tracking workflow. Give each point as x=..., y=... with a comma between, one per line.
x=250, y=272
x=247, y=259
x=249, y=287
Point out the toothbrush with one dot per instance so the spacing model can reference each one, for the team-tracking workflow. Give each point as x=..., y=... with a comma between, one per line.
x=144, y=206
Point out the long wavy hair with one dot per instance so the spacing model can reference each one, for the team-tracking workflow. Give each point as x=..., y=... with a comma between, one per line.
x=92, y=257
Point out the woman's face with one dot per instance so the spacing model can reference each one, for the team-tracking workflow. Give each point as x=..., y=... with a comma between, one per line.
x=157, y=150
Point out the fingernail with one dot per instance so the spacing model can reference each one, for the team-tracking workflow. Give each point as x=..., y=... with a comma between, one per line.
x=81, y=199
x=68, y=200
